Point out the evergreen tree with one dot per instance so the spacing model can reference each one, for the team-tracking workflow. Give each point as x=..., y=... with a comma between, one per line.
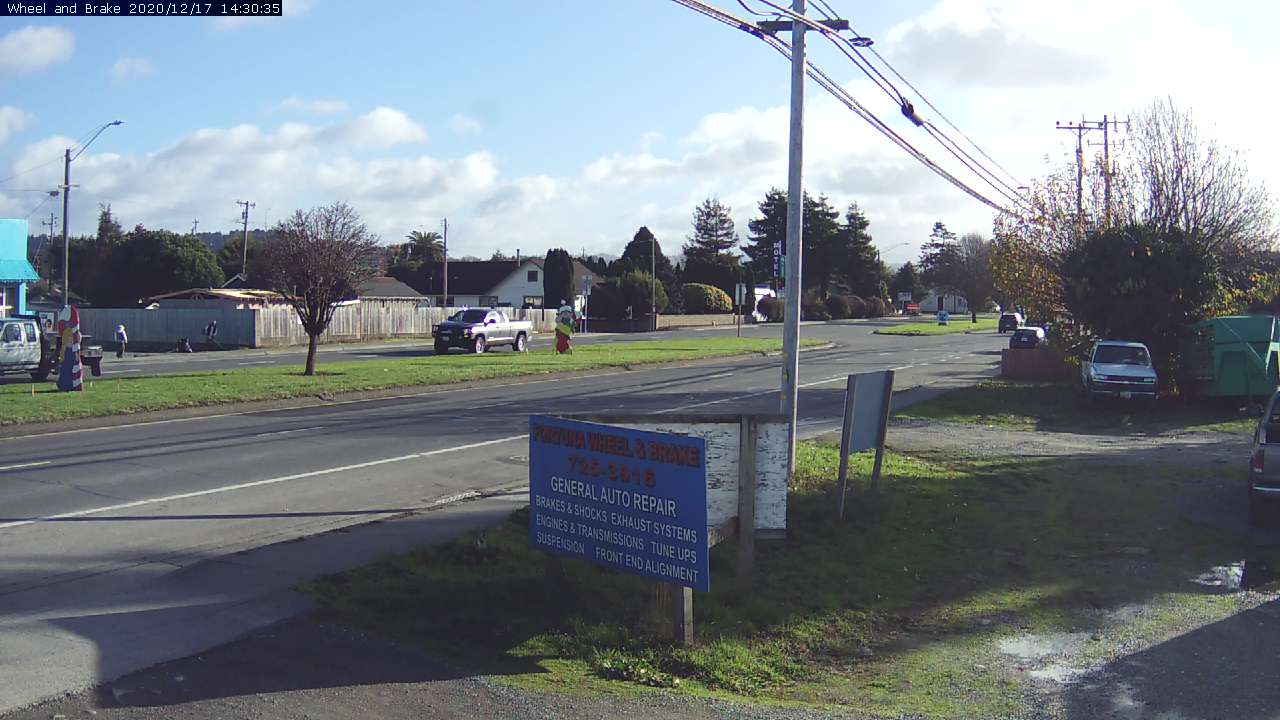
x=907, y=280
x=640, y=255
x=557, y=278
x=768, y=232
x=940, y=260
x=864, y=271
x=713, y=232
x=823, y=244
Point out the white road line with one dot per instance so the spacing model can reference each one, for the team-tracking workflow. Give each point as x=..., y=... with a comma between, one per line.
x=256, y=362
x=289, y=432
x=904, y=367
x=253, y=484
x=117, y=372
x=751, y=395
x=24, y=465
x=369, y=356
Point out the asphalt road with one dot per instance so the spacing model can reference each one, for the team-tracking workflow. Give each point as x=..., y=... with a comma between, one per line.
x=116, y=543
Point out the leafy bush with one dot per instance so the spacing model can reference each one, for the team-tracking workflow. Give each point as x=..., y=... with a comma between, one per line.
x=700, y=299
x=771, y=308
x=838, y=307
x=633, y=291
x=813, y=309
x=857, y=306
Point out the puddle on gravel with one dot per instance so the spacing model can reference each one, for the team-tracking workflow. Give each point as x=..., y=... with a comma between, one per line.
x=1034, y=649
x=1228, y=578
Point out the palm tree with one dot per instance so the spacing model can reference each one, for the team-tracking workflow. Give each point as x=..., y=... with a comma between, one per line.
x=427, y=246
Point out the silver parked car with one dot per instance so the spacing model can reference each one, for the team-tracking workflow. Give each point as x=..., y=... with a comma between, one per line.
x=1115, y=368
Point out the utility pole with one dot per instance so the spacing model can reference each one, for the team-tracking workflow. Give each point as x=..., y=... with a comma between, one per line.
x=1079, y=129
x=1107, y=125
x=444, y=301
x=795, y=212
x=653, y=280
x=195, y=225
x=66, y=243
x=50, y=223
x=244, y=240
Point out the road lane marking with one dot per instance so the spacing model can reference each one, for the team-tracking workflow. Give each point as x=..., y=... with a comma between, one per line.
x=257, y=362
x=255, y=483
x=368, y=356
x=289, y=432
x=815, y=383
x=24, y=465
x=117, y=372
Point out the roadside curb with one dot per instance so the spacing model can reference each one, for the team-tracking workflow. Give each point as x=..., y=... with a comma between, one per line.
x=20, y=430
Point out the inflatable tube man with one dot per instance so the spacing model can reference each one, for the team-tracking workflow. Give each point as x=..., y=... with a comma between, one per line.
x=70, y=374
x=564, y=329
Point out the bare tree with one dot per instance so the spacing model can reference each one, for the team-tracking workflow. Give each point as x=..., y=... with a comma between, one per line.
x=1189, y=183
x=974, y=280
x=319, y=257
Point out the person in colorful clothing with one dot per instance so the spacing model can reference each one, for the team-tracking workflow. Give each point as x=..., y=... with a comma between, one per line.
x=565, y=319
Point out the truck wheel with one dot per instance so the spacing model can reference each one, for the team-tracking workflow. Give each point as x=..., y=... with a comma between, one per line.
x=519, y=344
x=441, y=348
x=39, y=376
x=479, y=345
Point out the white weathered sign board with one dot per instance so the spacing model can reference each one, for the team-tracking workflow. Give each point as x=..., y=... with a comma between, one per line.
x=723, y=437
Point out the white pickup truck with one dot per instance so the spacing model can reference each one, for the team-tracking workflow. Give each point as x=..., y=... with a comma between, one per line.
x=27, y=347
x=477, y=330
x=1116, y=368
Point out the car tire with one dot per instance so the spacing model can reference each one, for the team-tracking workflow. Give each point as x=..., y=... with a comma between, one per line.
x=519, y=344
x=441, y=348
x=479, y=345
x=1257, y=511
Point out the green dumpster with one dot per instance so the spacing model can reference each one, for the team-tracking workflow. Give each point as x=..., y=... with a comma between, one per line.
x=1234, y=356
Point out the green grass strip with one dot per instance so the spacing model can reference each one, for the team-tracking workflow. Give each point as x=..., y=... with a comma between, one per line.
x=26, y=403
x=1059, y=407
x=957, y=324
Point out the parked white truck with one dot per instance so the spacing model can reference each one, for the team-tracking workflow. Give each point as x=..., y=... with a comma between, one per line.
x=28, y=344
x=477, y=330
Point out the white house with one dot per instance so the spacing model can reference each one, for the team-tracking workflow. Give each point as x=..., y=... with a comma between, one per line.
x=501, y=283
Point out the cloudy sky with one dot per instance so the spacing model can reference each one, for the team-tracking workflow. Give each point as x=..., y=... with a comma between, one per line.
x=571, y=123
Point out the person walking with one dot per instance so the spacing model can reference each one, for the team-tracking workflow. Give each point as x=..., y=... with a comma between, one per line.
x=122, y=339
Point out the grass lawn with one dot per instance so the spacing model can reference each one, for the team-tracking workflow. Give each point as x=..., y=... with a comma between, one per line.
x=19, y=404
x=930, y=326
x=1057, y=406
x=895, y=612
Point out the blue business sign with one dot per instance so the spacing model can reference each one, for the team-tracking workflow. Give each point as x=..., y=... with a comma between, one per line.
x=632, y=500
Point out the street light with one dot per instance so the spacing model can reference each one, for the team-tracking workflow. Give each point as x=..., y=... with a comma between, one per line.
x=66, y=196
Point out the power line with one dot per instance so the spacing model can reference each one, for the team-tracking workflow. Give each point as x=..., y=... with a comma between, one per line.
x=20, y=173
x=830, y=85
x=860, y=41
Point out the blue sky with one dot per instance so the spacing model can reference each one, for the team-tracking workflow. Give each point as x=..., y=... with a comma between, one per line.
x=540, y=124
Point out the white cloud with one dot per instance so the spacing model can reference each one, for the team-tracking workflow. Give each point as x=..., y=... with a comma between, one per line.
x=383, y=127
x=34, y=48
x=127, y=68
x=296, y=104
x=291, y=8
x=13, y=120
x=464, y=124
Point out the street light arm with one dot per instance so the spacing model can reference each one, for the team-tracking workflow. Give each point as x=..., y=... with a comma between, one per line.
x=95, y=137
